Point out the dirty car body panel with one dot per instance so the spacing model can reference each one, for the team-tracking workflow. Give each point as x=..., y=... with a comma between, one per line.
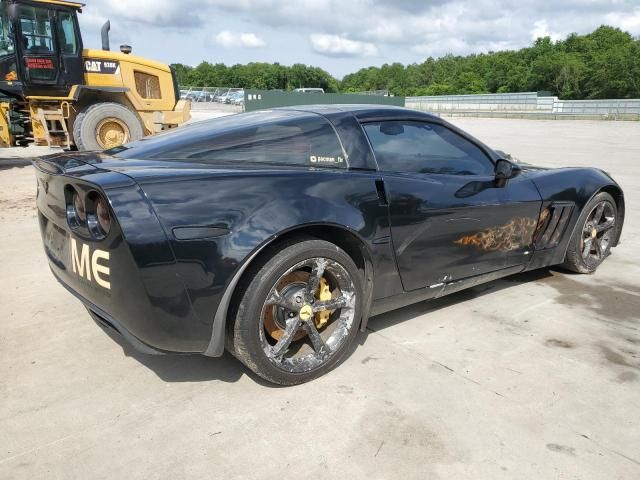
x=192, y=209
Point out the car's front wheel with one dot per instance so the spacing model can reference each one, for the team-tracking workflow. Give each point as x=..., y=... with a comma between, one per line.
x=298, y=313
x=594, y=235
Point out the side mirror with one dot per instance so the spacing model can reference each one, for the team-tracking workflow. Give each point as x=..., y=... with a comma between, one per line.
x=506, y=170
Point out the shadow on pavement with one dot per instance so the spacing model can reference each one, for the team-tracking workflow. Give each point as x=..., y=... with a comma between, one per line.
x=7, y=163
x=188, y=368
x=389, y=319
x=198, y=368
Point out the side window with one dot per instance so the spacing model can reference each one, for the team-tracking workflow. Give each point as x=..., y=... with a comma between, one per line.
x=308, y=140
x=37, y=43
x=421, y=147
x=147, y=86
x=67, y=33
x=37, y=37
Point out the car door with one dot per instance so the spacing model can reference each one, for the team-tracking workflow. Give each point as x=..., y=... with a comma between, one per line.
x=521, y=203
x=51, y=49
x=449, y=220
x=35, y=37
x=70, y=47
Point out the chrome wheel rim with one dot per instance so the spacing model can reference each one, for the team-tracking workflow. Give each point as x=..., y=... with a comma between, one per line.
x=597, y=232
x=308, y=337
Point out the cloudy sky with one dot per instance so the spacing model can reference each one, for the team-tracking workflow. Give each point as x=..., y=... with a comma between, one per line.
x=341, y=36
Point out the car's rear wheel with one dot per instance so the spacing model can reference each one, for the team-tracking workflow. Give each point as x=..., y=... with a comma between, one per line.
x=594, y=235
x=298, y=313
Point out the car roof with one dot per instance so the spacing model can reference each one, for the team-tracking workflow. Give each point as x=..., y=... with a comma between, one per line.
x=364, y=112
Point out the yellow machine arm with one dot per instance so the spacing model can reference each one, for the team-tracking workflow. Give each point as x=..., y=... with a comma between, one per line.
x=5, y=128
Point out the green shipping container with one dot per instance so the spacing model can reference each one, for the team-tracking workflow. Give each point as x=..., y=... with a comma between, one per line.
x=265, y=99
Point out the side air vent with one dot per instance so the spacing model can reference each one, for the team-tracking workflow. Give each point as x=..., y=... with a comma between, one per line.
x=382, y=194
x=552, y=225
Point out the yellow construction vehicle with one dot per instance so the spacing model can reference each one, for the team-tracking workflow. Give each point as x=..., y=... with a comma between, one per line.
x=54, y=92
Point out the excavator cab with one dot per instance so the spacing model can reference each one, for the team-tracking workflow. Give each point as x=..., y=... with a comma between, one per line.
x=55, y=92
x=40, y=47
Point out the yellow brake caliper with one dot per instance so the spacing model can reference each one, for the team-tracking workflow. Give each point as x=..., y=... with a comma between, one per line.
x=324, y=294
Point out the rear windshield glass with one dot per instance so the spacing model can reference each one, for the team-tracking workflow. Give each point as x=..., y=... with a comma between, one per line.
x=276, y=137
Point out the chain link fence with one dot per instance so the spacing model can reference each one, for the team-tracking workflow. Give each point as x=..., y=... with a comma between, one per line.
x=214, y=98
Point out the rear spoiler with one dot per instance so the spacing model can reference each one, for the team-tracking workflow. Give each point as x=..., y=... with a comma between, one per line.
x=59, y=163
x=46, y=166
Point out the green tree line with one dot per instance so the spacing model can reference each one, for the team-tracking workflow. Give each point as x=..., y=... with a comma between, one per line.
x=601, y=64
x=262, y=76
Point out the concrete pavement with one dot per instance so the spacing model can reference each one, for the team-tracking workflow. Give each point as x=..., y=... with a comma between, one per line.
x=536, y=376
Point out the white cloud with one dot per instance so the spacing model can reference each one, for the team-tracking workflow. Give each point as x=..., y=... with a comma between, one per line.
x=347, y=34
x=165, y=13
x=230, y=39
x=385, y=31
x=629, y=22
x=340, y=46
x=541, y=29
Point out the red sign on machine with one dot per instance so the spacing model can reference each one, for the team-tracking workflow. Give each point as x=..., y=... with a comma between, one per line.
x=39, y=63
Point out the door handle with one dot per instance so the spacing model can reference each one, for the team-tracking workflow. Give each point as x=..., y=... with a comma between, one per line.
x=63, y=64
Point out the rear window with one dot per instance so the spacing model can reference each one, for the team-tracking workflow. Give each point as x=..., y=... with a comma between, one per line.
x=277, y=138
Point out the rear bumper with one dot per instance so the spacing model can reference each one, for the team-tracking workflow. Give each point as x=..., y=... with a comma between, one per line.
x=138, y=288
x=150, y=310
x=106, y=321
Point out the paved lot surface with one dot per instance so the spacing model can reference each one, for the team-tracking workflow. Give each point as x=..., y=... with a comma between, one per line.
x=535, y=376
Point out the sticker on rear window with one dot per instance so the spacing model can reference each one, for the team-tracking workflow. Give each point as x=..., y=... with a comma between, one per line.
x=323, y=159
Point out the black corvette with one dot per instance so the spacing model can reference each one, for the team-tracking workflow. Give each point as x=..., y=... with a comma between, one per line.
x=279, y=233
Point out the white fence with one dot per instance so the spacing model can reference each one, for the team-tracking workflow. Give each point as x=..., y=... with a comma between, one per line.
x=487, y=102
x=526, y=104
x=611, y=108
x=379, y=93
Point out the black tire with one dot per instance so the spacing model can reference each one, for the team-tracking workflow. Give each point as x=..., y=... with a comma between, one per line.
x=87, y=122
x=594, y=234
x=247, y=336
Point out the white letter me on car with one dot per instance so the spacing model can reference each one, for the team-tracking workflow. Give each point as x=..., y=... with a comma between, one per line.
x=81, y=264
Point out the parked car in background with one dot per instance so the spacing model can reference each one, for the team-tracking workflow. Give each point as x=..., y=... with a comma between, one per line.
x=222, y=98
x=236, y=98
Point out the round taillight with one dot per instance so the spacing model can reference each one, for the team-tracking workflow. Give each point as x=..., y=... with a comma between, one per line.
x=104, y=217
x=79, y=208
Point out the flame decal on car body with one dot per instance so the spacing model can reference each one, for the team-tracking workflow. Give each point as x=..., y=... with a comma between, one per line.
x=518, y=233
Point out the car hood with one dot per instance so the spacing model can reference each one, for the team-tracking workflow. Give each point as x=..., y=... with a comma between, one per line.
x=531, y=168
